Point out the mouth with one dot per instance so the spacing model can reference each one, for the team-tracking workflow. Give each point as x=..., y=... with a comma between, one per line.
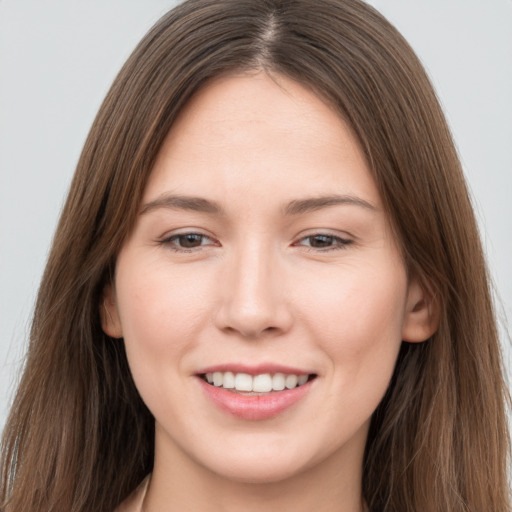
x=256, y=393
x=254, y=385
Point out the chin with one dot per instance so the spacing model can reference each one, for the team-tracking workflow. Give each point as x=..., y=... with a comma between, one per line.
x=261, y=472
x=261, y=463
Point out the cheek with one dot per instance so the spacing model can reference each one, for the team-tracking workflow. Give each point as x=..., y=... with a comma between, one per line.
x=159, y=313
x=357, y=317
x=358, y=326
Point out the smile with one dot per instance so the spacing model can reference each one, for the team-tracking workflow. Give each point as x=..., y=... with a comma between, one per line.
x=261, y=383
x=256, y=393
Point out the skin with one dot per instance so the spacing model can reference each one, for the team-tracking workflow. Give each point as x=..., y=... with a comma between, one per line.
x=261, y=287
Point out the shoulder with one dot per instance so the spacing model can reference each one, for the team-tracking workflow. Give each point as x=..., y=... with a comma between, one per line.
x=134, y=502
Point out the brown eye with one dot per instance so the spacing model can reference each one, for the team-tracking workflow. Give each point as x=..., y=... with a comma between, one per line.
x=321, y=241
x=190, y=240
x=324, y=242
x=186, y=241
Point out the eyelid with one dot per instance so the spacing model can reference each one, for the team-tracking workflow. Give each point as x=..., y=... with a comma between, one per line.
x=167, y=240
x=340, y=241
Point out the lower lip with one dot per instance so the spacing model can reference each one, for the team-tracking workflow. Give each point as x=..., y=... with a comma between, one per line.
x=254, y=407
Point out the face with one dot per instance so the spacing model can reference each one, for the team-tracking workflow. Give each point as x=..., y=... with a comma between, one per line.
x=262, y=259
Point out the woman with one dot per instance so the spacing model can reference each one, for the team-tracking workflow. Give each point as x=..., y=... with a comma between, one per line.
x=266, y=288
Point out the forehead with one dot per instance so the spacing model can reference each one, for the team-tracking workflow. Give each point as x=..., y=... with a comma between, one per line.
x=260, y=136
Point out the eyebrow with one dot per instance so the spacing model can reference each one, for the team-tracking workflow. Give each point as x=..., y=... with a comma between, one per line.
x=176, y=202
x=295, y=207
x=300, y=206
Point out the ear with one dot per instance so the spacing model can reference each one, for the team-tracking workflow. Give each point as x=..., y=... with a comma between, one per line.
x=110, y=322
x=422, y=313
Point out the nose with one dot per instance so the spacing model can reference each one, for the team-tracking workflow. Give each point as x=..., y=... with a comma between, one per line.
x=253, y=298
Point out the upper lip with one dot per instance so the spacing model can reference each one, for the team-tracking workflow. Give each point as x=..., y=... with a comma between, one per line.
x=257, y=369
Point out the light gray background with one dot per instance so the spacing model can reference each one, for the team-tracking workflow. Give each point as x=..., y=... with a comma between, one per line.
x=58, y=58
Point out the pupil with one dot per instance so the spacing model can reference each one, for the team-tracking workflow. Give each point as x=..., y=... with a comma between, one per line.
x=190, y=240
x=321, y=241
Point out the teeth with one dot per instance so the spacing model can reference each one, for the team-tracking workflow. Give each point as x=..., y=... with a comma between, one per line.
x=217, y=379
x=243, y=382
x=291, y=381
x=262, y=383
x=278, y=381
x=229, y=380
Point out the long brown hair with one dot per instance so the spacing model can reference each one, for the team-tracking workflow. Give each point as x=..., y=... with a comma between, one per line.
x=79, y=438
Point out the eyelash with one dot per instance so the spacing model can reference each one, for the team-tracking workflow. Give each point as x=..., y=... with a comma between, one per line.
x=336, y=241
x=169, y=242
